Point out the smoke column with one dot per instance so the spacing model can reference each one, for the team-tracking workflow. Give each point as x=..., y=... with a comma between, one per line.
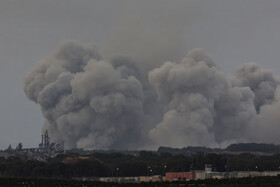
x=88, y=102
x=94, y=103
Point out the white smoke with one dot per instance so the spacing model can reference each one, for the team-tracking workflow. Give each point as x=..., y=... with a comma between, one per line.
x=94, y=103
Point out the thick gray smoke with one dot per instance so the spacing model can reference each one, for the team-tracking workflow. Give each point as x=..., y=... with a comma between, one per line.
x=262, y=82
x=203, y=108
x=89, y=102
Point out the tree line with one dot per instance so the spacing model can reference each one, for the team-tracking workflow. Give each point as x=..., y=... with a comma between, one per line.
x=143, y=164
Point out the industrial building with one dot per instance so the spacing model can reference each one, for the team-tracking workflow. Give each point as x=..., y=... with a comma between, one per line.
x=45, y=150
x=47, y=147
x=186, y=176
x=181, y=176
x=209, y=174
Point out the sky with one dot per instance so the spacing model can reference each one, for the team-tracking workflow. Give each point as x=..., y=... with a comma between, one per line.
x=230, y=32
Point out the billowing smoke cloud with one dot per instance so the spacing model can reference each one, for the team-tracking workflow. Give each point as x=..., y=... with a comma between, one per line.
x=267, y=122
x=89, y=102
x=262, y=82
x=207, y=108
x=190, y=89
x=203, y=108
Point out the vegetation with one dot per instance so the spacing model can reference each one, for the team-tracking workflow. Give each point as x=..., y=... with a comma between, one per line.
x=239, y=147
x=254, y=147
x=146, y=163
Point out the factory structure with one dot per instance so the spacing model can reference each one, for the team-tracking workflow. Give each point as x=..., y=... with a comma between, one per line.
x=46, y=149
x=51, y=148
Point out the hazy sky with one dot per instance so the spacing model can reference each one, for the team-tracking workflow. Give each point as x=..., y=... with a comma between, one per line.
x=231, y=33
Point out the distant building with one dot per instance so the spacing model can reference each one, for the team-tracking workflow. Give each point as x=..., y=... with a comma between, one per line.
x=179, y=176
x=144, y=178
x=208, y=171
x=200, y=175
x=47, y=147
x=157, y=178
x=45, y=150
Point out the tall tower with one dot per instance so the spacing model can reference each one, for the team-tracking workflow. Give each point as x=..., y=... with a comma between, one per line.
x=46, y=140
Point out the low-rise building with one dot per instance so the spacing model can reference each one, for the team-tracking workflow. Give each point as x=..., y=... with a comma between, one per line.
x=200, y=175
x=128, y=179
x=157, y=178
x=242, y=174
x=144, y=179
x=270, y=173
x=179, y=176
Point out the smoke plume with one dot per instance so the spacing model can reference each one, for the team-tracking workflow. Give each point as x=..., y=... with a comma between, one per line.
x=88, y=102
x=262, y=82
x=94, y=103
